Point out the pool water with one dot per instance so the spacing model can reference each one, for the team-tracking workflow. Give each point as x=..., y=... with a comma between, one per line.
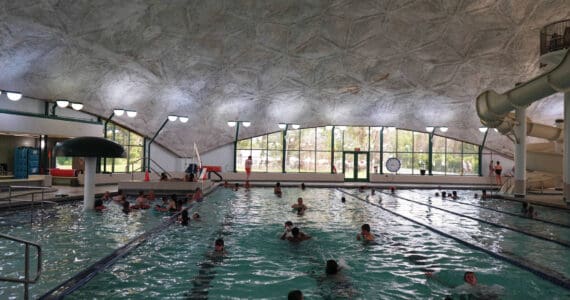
x=71, y=240
x=259, y=265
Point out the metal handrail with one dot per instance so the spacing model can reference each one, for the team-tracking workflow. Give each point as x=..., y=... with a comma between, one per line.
x=23, y=187
x=26, y=281
x=555, y=36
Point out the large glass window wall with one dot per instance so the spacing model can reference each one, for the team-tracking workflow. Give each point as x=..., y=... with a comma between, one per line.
x=134, y=148
x=311, y=150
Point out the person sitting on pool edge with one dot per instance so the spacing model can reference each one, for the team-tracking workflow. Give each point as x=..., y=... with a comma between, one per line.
x=277, y=189
x=298, y=236
x=365, y=233
x=300, y=207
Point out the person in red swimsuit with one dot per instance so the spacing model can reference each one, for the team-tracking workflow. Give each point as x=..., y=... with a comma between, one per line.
x=248, y=163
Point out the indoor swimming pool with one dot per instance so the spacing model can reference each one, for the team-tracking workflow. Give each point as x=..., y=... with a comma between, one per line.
x=176, y=264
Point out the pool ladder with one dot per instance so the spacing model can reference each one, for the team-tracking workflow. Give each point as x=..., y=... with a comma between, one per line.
x=26, y=280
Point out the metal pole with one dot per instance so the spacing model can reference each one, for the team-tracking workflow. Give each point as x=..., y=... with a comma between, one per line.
x=381, y=150
x=332, y=150
x=235, y=146
x=105, y=135
x=284, y=148
x=430, y=152
x=481, y=152
x=566, y=172
x=27, y=272
x=151, y=141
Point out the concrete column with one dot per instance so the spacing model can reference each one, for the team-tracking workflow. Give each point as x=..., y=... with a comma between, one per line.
x=89, y=185
x=520, y=153
x=566, y=172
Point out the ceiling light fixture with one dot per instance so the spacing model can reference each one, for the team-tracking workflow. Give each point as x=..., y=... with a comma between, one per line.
x=183, y=119
x=62, y=103
x=232, y=123
x=131, y=113
x=282, y=125
x=14, y=96
x=483, y=129
x=77, y=105
x=296, y=126
x=172, y=118
x=429, y=129
x=246, y=124
x=119, y=112
x=443, y=129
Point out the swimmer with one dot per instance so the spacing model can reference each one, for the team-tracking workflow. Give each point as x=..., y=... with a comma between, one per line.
x=277, y=189
x=471, y=287
x=184, y=218
x=392, y=190
x=454, y=195
x=236, y=186
x=361, y=189
x=198, y=196
x=484, y=195
x=126, y=207
x=196, y=217
x=332, y=267
x=151, y=196
x=303, y=186
x=219, y=247
x=365, y=233
x=300, y=207
x=119, y=196
x=288, y=228
x=335, y=285
x=295, y=295
x=99, y=205
x=476, y=196
x=297, y=236
x=106, y=196
x=343, y=199
x=436, y=194
x=443, y=194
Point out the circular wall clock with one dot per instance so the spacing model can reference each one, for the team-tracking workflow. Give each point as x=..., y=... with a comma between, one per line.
x=393, y=164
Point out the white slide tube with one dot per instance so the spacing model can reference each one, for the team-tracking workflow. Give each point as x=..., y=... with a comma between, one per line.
x=492, y=108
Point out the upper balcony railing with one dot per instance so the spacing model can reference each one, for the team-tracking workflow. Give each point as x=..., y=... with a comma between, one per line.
x=555, y=36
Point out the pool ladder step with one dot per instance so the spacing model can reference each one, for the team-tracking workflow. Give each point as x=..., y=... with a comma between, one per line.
x=27, y=280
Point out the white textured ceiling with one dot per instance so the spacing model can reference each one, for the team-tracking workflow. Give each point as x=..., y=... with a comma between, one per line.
x=399, y=63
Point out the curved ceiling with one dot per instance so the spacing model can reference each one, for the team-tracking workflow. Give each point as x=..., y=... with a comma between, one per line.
x=397, y=63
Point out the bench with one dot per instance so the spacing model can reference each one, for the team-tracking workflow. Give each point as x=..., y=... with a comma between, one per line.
x=64, y=175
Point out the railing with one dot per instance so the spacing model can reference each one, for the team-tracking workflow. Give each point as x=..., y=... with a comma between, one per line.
x=555, y=36
x=27, y=280
x=151, y=168
x=508, y=185
x=35, y=190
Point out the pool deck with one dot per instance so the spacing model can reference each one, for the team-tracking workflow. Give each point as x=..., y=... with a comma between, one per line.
x=67, y=193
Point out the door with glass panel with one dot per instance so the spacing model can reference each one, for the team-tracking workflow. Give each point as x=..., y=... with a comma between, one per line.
x=355, y=165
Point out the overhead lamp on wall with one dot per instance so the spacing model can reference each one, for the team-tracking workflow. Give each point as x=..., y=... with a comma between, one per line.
x=172, y=118
x=245, y=123
x=13, y=96
x=119, y=112
x=232, y=123
x=183, y=119
x=443, y=129
x=77, y=105
x=62, y=103
x=483, y=129
x=429, y=129
x=131, y=113
x=282, y=125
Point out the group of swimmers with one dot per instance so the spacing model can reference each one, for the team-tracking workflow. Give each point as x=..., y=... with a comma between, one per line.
x=172, y=204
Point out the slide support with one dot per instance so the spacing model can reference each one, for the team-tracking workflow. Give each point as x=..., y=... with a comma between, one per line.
x=520, y=152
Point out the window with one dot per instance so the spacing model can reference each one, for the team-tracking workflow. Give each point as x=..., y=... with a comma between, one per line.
x=134, y=148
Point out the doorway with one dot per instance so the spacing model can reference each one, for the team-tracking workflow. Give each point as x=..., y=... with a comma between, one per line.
x=355, y=165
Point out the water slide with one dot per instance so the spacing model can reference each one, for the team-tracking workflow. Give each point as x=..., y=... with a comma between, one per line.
x=495, y=111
